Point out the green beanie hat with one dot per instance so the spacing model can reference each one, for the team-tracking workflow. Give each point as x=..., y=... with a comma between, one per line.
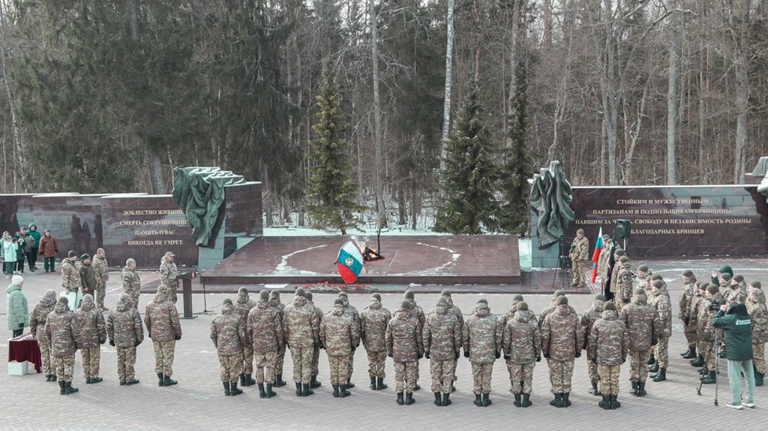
x=687, y=273
x=227, y=301
x=726, y=276
x=264, y=294
x=442, y=301
x=658, y=283
x=445, y=292
x=308, y=295
x=599, y=297
x=562, y=300
x=657, y=277
x=274, y=294
x=377, y=296
x=713, y=289
x=624, y=259
x=300, y=292
x=639, y=291
x=408, y=294
x=757, y=285
x=726, y=269
x=739, y=278
x=559, y=293
x=406, y=305
x=482, y=300
x=338, y=301
x=517, y=297
x=620, y=252
x=643, y=268
x=609, y=307
x=580, y=232
x=522, y=306
x=342, y=294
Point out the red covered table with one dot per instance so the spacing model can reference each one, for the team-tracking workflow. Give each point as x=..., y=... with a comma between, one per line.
x=25, y=348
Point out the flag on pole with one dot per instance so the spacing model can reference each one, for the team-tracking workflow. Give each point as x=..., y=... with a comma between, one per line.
x=596, y=254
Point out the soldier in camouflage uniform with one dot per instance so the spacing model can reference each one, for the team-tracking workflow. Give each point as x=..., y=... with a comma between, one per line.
x=442, y=342
x=243, y=305
x=163, y=327
x=405, y=346
x=274, y=301
x=579, y=255
x=302, y=333
x=707, y=333
x=314, y=383
x=663, y=306
x=481, y=339
x=169, y=275
x=735, y=292
x=93, y=333
x=759, y=315
x=643, y=324
x=70, y=277
x=693, y=321
x=460, y=317
x=340, y=337
x=588, y=319
x=101, y=271
x=265, y=333
x=551, y=307
x=63, y=335
x=602, y=261
x=87, y=275
x=686, y=298
x=608, y=345
x=131, y=282
x=37, y=320
x=521, y=343
x=417, y=312
x=351, y=312
x=644, y=279
x=618, y=253
x=623, y=289
x=373, y=330
x=228, y=335
x=562, y=339
x=125, y=334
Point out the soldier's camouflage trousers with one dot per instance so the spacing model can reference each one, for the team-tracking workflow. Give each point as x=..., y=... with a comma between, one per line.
x=637, y=364
x=521, y=377
x=247, y=359
x=690, y=336
x=91, y=357
x=101, y=292
x=265, y=367
x=709, y=353
x=592, y=369
x=351, y=366
x=164, y=352
x=339, y=369
x=482, y=376
x=126, y=359
x=609, y=379
x=302, y=364
x=701, y=345
x=579, y=271
x=376, y=363
x=661, y=351
x=315, y=360
x=48, y=361
x=65, y=367
x=172, y=292
x=560, y=374
x=280, y=360
x=442, y=375
x=230, y=366
x=758, y=357
x=405, y=376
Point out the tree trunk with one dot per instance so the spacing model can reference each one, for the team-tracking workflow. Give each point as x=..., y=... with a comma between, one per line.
x=513, y=61
x=382, y=212
x=448, y=77
x=18, y=138
x=671, y=101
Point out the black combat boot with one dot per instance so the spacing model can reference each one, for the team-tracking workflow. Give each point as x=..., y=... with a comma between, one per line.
x=634, y=386
x=159, y=379
x=641, y=389
x=53, y=377
x=373, y=383
x=704, y=371
x=242, y=379
x=380, y=383
x=335, y=391
x=558, y=401
x=686, y=353
x=298, y=389
x=47, y=377
x=314, y=383
x=654, y=368
x=68, y=389
x=527, y=400
x=594, y=390
x=307, y=391
x=651, y=359
x=417, y=387
x=279, y=382
x=709, y=379
x=249, y=381
x=447, y=399
x=269, y=391
x=132, y=382
x=438, y=399
x=88, y=381
x=96, y=380
x=227, y=392
x=409, y=398
x=615, y=404
x=691, y=354
x=350, y=385
x=400, y=398
x=661, y=376
x=566, y=401
x=518, y=402
x=698, y=362
x=486, y=400
x=262, y=394
x=234, y=390
x=343, y=392
x=168, y=381
x=605, y=404
x=479, y=400
x=61, y=387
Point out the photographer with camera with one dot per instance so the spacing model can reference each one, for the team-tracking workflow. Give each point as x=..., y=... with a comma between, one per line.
x=737, y=327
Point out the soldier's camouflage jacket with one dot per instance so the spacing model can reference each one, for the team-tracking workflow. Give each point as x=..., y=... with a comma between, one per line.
x=228, y=331
x=265, y=328
x=302, y=329
x=442, y=334
x=338, y=333
x=91, y=323
x=124, y=324
x=522, y=338
x=642, y=322
x=482, y=335
x=404, y=337
x=562, y=335
x=609, y=340
x=373, y=326
x=62, y=331
x=162, y=319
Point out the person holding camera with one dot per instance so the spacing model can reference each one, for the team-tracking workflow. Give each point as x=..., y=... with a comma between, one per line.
x=737, y=327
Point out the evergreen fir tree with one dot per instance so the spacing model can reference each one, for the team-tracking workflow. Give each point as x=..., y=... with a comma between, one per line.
x=331, y=192
x=517, y=166
x=468, y=182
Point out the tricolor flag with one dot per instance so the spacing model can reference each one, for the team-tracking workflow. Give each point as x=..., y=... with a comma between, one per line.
x=349, y=262
x=596, y=254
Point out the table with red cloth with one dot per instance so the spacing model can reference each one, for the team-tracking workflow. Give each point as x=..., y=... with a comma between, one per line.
x=25, y=348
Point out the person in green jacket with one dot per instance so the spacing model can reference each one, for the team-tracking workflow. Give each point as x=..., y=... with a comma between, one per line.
x=725, y=269
x=18, y=309
x=737, y=327
x=32, y=255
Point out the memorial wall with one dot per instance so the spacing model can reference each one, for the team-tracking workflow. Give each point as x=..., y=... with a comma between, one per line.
x=676, y=221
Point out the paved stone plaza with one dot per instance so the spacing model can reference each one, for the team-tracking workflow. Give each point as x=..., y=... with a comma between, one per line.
x=198, y=401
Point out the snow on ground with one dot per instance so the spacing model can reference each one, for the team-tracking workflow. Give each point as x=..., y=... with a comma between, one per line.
x=284, y=268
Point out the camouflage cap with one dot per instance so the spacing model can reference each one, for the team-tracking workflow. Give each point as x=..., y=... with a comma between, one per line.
x=739, y=278
x=687, y=273
x=376, y=296
x=713, y=289
x=639, y=291
x=406, y=305
x=624, y=259
x=522, y=306
x=300, y=292
x=274, y=294
x=63, y=300
x=517, y=297
x=482, y=300
x=725, y=276
x=408, y=294
x=338, y=301
x=227, y=301
x=445, y=292
x=657, y=277
x=342, y=294
x=243, y=290
x=619, y=252
x=562, y=300
x=609, y=307
x=599, y=297
x=162, y=289
x=658, y=283
x=559, y=293
x=580, y=232
x=264, y=294
x=703, y=285
x=756, y=284
x=308, y=295
x=643, y=268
